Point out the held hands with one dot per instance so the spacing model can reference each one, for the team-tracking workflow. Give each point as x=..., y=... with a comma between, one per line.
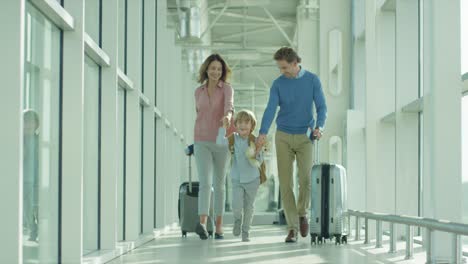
x=251, y=154
x=261, y=140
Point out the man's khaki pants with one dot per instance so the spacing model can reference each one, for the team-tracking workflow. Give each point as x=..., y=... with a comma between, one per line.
x=290, y=147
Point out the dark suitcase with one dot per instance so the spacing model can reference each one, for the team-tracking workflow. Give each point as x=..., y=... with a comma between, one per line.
x=188, y=206
x=328, y=202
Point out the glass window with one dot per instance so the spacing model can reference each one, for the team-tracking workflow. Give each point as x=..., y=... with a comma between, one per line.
x=142, y=46
x=421, y=116
x=464, y=140
x=122, y=45
x=464, y=35
x=421, y=163
x=156, y=56
x=421, y=47
x=122, y=96
x=155, y=171
x=267, y=195
x=142, y=170
x=464, y=114
x=92, y=19
x=122, y=65
x=41, y=117
x=91, y=158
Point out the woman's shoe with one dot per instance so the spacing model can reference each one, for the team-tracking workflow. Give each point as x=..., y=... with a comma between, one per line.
x=201, y=231
x=219, y=236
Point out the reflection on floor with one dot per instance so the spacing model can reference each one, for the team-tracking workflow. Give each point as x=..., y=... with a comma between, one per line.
x=266, y=246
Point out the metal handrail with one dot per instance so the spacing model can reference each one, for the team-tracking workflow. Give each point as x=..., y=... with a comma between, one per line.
x=429, y=224
x=436, y=225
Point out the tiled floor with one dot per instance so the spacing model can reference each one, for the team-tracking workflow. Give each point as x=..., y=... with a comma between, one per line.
x=266, y=246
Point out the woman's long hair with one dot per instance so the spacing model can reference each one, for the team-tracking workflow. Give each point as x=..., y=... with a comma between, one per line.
x=203, y=74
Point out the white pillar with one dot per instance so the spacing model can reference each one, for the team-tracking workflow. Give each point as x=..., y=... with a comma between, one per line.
x=161, y=130
x=371, y=117
x=384, y=100
x=109, y=126
x=442, y=126
x=72, y=136
x=356, y=139
x=406, y=123
x=12, y=16
x=133, y=173
x=161, y=178
x=149, y=78
x=334, y=17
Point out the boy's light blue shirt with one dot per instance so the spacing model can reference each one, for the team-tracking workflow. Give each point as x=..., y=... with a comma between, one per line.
x=241, y=170
x=295, y=97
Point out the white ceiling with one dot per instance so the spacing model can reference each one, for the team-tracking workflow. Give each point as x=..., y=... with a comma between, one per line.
x=248, y=37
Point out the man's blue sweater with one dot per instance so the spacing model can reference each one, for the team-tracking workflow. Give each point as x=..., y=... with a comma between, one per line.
x=295, y=96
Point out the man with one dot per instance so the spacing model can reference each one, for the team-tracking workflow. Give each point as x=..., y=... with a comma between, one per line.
x=294, y=92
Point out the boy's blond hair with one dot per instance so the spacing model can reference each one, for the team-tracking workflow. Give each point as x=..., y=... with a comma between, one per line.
x=245, y=115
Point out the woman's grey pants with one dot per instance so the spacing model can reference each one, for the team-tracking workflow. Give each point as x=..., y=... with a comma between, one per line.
x=211, y=160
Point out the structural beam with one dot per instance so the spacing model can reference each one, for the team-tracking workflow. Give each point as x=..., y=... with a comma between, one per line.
x=279, y=27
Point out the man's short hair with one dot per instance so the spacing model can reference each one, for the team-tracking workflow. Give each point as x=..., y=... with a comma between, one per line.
x=287, y=54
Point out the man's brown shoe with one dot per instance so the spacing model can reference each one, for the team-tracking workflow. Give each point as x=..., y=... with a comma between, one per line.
x=292, y=237
x=304, y=226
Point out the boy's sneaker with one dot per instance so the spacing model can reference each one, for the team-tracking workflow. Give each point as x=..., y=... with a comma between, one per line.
x=236, y=230
x=245, y=237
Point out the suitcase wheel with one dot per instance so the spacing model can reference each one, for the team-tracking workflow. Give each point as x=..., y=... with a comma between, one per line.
x=313, y=239
x=337, y=239
x=344, y=239
x=321, y=240
x=184, y=233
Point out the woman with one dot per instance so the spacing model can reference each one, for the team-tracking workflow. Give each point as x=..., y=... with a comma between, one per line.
x=214, y=105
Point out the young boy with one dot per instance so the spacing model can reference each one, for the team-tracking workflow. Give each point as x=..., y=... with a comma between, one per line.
x=245, y=171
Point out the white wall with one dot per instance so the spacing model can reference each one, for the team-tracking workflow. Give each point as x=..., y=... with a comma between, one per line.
x=392, y=142
x=334, y=14
x=164, y=72
x=407, y=172
x=175, y=99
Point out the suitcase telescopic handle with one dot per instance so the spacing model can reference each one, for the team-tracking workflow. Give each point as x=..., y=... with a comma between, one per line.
x=316, y=151
x=190, y=173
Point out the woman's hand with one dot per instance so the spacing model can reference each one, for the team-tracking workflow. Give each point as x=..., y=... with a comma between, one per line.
x=226, y=120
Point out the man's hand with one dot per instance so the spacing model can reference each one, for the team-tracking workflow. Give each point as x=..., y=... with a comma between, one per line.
x=317, y=134
x=260, y=142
